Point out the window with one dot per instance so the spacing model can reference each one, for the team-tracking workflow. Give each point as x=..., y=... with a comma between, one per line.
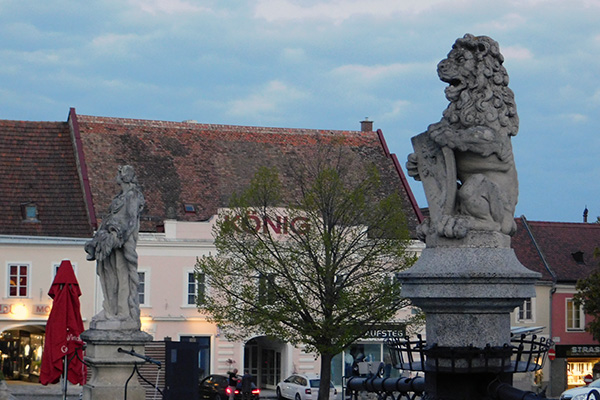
x=18, y=280
x=525, y=312
x=29, y=212
x=394, y=282
x=191, y=288
x=575, y=317
x=189, y=208
x=143, y=288
x=201, y=287
x=195, y=288
x=266, y=290
x=360, y=357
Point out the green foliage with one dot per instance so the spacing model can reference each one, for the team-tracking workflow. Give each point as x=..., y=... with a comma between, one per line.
x=588, y=295
x=312, y=264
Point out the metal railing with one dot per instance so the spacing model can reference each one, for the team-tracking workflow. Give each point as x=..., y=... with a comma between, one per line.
x=524, y=354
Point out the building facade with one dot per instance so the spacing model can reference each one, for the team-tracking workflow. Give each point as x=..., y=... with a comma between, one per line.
x=61, y=181
x=562, y=253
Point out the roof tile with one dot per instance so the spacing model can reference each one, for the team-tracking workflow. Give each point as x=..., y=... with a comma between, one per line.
x=558, y=242
x=37, y=164
x=204, y=164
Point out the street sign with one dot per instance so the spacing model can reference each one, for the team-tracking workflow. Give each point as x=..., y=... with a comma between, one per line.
x=588, y=379
x=551, y=354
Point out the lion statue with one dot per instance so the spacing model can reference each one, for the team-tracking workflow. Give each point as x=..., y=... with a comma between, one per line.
x=466, y=161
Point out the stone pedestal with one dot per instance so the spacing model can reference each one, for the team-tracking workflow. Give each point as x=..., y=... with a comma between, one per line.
x=111, y=369
x=467, y=289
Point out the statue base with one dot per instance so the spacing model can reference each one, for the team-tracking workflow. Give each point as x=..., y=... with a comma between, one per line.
x=100, y=321
x=467, y=289
x=110, y=369
x=114, y=325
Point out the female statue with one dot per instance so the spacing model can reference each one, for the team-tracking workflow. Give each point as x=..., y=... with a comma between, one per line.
x=113, y=246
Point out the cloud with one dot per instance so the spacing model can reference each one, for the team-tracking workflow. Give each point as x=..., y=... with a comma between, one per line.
x=267, y=100
x=517, y=53
x=25, y=99
x=337, y=10
x=24, y=31
x=506, y=22
x=396, y=109
x=293, y=55
x=358, y=72
x=157, y=7
x=114, y=43
x=596, y=96
x=575, y=118
x=37, y=61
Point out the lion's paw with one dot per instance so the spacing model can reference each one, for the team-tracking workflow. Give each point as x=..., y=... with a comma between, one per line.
x=452, y=226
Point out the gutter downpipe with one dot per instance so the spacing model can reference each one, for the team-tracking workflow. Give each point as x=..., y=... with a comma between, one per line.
x=552, y=274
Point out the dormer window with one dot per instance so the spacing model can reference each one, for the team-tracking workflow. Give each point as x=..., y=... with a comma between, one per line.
x=189, y=208
x=578, y=257
x=29, y=212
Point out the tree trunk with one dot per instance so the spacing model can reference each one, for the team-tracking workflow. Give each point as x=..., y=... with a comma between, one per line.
x=325, y=376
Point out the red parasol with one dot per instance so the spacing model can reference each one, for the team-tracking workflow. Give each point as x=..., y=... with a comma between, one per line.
x=63, y=344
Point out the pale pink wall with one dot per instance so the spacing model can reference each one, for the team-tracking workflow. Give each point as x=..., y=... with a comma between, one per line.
x=41, y=258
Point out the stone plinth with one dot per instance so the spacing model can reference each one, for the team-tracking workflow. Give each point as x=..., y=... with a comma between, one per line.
x=467, y=289
x=111, y=369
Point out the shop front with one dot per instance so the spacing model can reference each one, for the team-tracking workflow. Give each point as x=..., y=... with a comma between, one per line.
x=21, y=352
x=580, y=362
x=366, y=355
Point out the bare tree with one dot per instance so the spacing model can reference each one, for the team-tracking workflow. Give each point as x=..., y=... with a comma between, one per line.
x=314, y=265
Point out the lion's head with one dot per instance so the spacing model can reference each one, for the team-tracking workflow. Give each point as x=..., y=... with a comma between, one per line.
x=478, y=86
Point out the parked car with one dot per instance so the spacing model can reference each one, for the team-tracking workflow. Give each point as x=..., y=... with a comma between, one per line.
x=216, y=387
x=580, y=393
x=302, y=387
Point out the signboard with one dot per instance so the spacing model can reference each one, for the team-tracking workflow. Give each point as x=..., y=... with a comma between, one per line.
x=275, y=224
x=41, y=309
x=12, y=310
x=386, y=332
x=564, y=351
x=588, y=379
x=551, y=354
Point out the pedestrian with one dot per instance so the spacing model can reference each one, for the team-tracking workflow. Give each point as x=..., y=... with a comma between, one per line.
x=233, y=381
x=247, y=386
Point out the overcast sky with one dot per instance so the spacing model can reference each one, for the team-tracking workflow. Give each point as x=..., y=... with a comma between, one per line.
x=317, y=64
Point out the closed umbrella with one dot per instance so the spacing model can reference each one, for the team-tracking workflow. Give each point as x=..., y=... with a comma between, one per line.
x=63, y=348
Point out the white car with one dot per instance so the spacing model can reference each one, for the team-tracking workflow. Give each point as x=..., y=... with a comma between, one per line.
x=302, y=387
x=580, y=393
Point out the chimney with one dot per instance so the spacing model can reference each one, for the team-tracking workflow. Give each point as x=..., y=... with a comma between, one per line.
x=366, y=125
x=585, y=215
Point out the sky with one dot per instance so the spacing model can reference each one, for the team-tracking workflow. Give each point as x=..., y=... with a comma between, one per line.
x=317, y=64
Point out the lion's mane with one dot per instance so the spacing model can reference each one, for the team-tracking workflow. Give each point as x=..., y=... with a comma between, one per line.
x=478, y=93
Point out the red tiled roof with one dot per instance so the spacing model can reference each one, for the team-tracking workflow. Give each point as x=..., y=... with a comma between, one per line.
x=527, y=252
x=558, y=242
x=37, y=165
x=203, y=164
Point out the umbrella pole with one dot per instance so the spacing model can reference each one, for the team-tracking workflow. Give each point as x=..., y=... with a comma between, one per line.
x=65, y=372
